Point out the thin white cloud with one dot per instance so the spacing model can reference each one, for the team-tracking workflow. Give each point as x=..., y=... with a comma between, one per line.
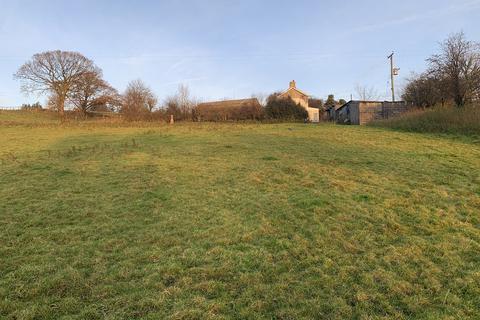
x=184, y=81
x=177, y=65
x=436, y=13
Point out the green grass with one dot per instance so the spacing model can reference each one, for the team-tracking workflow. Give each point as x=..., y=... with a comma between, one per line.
x=444, y=120
x=237, y=221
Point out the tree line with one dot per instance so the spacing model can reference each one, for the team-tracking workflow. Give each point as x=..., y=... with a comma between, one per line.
x=452, y=75
x=74, y=82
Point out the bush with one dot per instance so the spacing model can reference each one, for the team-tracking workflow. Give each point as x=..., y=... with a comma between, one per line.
x=174, y=108
x=284, y=109
x=32, y=107
x=452, y=120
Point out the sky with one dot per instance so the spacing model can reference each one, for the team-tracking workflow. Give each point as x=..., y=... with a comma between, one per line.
x=234, y=48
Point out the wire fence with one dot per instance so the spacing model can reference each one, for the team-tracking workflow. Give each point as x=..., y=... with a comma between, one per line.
x=7, y=108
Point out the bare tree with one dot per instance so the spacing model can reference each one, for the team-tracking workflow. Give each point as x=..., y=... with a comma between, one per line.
x=423, y=90
x=186, y=103
x=366, y=93
x=182, y=104
x=92, y=92
x=151, y=101
x=138, y=100
x=52, y=102
x=458, y=68
x=261, y=97
x=54, y=72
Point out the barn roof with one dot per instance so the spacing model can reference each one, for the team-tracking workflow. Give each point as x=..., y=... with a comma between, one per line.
x=229, y=103
x=368, y=101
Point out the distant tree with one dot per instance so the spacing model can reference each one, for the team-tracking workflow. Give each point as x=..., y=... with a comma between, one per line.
x=181, y=105
x=330, y=101
x=54, y=72
x=457, y=68
x=91, y=93
x=186, y=103
x=261, y=97
x=138, y=101
x=151, y=102
x=284, y=109
x=52, y=102
x=172, y=108
x=424, y=91
x=342, y=101
x=32, y=107
x=365, y=93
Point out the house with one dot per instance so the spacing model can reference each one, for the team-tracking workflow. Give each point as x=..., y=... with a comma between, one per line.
x=243, y=109
x=363, y=112
x=301, y=98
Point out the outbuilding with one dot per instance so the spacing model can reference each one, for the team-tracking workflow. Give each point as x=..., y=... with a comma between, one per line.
x=362, y=112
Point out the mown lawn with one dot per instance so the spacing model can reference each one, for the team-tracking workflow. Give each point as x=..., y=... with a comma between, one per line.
x=237, y=221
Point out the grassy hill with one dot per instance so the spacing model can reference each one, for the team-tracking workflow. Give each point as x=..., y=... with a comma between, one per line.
x=236, y=221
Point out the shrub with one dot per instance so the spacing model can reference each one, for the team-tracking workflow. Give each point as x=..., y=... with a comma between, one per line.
x=32, y=107
x=284, y=109
x=181, y=105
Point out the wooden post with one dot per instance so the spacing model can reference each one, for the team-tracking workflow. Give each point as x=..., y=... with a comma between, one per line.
x=171, y=119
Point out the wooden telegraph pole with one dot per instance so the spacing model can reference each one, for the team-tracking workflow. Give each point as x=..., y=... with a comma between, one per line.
x=393, y=73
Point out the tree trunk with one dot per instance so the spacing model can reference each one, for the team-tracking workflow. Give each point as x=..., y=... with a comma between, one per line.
x=61, y=106
x=459, y=101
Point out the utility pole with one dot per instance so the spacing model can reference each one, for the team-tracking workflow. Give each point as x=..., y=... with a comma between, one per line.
x=393, y=73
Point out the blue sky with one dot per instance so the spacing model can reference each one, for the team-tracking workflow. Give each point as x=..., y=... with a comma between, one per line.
x=233, y=48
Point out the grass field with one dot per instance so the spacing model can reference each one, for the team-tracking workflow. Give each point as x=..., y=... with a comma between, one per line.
x=236, y=221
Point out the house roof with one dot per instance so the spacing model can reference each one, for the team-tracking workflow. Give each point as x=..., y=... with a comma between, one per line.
x=229, y=103
x=337, y=106
x=294, y=89
x=341, y=107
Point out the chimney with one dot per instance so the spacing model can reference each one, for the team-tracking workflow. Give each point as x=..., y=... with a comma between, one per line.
x=293, y=84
